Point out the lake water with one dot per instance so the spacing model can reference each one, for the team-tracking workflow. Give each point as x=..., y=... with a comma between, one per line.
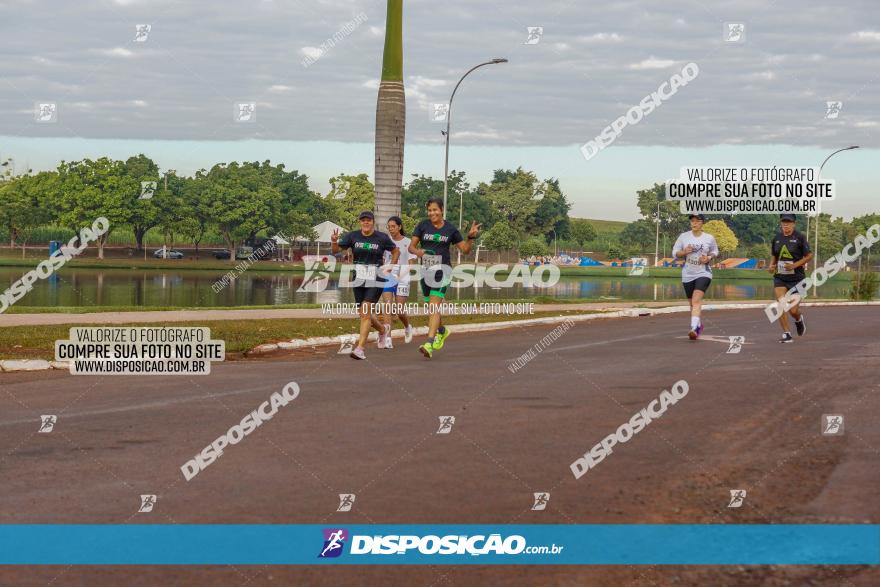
x=152, y=288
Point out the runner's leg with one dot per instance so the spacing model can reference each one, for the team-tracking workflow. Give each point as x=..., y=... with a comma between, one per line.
x=783, y=317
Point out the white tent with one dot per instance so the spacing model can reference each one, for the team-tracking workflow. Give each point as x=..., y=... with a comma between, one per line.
x=323, y=230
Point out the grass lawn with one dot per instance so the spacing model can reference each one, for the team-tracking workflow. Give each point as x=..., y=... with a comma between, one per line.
x=38, y=342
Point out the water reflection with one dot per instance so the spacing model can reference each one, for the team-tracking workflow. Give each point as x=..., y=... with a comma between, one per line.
x=120, y=287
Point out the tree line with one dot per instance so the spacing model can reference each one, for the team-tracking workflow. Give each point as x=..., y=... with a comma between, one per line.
x=239, y=201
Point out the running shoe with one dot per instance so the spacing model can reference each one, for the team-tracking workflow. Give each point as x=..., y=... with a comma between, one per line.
x=699, y=329
x=786, y=337
x=439, y=339
x=408, y=334
x=427, y=350
x=358, y=354
x=800, y=326
x=693, y=335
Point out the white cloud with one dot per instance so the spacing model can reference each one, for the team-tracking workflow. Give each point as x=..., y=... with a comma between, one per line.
x=278, y=89
x=312, y=52
x=652, y=63
x=866, y=36
x=116, y=52
x=601, y=38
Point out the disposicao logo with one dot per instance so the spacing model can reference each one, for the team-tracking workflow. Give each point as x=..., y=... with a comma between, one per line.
x=334, y=542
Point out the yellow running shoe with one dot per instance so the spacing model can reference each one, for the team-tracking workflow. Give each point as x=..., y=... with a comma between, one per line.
x=439, y=339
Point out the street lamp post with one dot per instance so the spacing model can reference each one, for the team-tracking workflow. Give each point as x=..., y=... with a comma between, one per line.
x=555, y=241
x=816, y=242
x=448, y=128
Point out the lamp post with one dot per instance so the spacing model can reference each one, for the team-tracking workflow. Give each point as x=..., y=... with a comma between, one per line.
x=448, y=128
x=816, y=243
x=555, y=241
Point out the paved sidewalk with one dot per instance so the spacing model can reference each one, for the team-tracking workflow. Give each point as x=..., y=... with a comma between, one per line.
x=264, y=314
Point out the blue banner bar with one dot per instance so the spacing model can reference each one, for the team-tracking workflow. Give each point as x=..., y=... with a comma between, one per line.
x=697, y=544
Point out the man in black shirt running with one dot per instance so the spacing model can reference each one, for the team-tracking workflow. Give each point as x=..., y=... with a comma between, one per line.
x=791, y=253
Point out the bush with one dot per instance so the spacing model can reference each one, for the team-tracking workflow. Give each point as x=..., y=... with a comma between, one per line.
x=534, y=246
x=864, y=287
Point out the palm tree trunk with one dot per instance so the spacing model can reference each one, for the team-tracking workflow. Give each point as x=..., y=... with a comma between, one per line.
x=390, y=119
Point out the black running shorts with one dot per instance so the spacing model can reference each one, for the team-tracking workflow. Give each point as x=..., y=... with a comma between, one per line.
x=700, y=283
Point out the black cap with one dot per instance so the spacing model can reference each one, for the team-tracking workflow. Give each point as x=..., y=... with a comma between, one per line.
x=366, y=214
x=700, y=216
x=791, y=217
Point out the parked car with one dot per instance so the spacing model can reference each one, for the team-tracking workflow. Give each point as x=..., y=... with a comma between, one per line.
x=169, y=254
x=220, y=254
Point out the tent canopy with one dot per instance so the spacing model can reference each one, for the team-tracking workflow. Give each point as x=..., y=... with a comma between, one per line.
x=323, y=230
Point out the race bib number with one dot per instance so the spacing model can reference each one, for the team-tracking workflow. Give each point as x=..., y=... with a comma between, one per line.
x=429, y=261
x=781, y=270
x=403, y=289
x=365, y=272
x=694, y=261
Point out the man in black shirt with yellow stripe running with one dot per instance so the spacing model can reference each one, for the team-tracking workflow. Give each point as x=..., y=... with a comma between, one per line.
x=791, y=253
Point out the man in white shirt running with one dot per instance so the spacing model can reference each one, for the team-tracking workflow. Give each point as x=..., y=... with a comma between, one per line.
x=698, y=250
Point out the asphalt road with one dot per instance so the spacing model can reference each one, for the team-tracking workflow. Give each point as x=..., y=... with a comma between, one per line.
x=751, y=420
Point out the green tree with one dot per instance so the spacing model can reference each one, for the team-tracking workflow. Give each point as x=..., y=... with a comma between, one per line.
x=26, y=204
x=514, y=195
x=501, y=237
x=582, y=231
x=242, y=202
x=142, y=214
x=614, y=251
x=726, y=239
x=350, y=195
x=90, y=189
x=535, y=245
x=640, y=235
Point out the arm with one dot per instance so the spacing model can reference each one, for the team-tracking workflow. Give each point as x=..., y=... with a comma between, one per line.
x=466, y=245
x=414, y=249
x=334, y=244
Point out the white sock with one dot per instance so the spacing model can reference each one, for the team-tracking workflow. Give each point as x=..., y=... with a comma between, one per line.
x=695, y=321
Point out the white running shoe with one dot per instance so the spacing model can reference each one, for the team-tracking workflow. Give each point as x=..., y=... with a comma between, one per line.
x=380, y=343
x=358, y=354
x=388, y=342
x=408, y=334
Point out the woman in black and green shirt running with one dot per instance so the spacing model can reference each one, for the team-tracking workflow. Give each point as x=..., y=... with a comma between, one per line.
x=436, y=236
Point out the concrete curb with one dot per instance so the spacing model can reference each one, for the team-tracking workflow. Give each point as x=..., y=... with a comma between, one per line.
x=487, y=326
x=10, y=366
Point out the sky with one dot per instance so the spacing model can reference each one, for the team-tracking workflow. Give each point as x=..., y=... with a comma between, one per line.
x=760, y=98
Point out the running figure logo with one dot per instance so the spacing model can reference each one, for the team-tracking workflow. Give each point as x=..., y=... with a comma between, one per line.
x=147, y=503
x=736, y=344
x=346, y=501
x=45, y=112
x=347, y=343
x=638, y=266
x=832, y=424
x=541, y=500
x=148, y=188
x=141, y=32
x=246, y=112
x=735, y=32
x=534, y=35
x=47, y=423
x=737, y=497
x=334, y=542
x=318, y=270
x=446, y=423
x=439, y=112
x=832, y=109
